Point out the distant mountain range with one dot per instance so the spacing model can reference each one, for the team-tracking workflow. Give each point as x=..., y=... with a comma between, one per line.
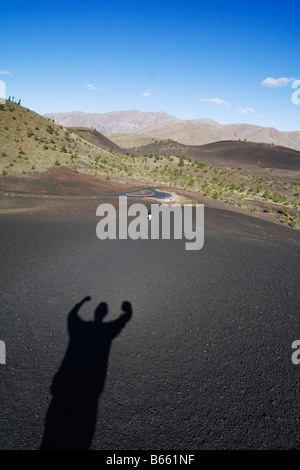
x=118, y=121
x=162, y=125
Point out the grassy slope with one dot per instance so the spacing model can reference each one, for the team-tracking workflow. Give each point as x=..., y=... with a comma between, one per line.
x=32, y=143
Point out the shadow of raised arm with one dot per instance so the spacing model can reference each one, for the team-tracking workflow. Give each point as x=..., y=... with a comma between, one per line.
x=120, y=323
x=73, y=317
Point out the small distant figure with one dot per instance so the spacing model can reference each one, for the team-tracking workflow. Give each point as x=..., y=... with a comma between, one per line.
x=149, y=215
x=2, y=353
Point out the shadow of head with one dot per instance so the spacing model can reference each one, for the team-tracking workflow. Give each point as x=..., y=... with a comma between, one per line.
x=101, y=311
x=126, y=307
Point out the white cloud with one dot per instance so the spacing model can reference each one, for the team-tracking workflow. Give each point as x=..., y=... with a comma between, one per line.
x=146, y=94
x=4, y=72
x=91, y=87
x=214, y=101
x=276, y=82
x=246, y=110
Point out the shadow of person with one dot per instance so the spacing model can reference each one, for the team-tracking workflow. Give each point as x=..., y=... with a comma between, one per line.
x=76, y=387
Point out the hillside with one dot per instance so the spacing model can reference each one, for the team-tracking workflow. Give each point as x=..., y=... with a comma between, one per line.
x=231, y=153
x=31, y=144
x=130, y=141
x=249, y=154
x=96, y=138
x=193, y=132
x=266, y=135
x=37, y=155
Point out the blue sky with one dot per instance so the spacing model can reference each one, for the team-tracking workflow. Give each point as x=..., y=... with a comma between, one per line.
x=229, y=61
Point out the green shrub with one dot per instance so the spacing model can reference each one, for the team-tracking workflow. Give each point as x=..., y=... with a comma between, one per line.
x=285, y=211
x=293, y=223
x=267, y=195
x=277, y=197
x=49, y=129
